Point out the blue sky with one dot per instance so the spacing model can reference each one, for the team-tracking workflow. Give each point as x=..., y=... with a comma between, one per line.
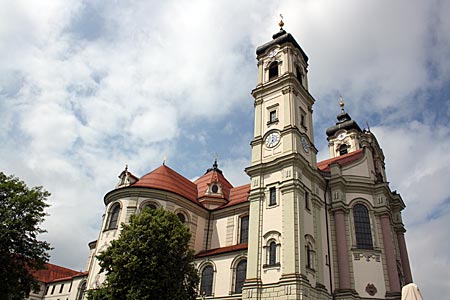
x=89, y=86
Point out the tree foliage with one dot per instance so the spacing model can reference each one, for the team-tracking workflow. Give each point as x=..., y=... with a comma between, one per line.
x=21, y=253
x=150, y=260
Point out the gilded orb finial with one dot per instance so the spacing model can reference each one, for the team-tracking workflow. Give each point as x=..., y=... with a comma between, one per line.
x=281, y=22
x=341, y=103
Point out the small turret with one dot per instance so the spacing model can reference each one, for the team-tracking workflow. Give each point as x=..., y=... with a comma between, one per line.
x=343, y=137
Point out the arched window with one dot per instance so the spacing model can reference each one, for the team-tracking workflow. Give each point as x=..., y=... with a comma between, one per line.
x=150, y=206
x=182, y=217
x=114, y=213
x=343, y=149
x=363, y=231
x=310, y=252
x=81, y=290
x=309, y=257
x=241, y=273
x=272, y=253
x=207, y=281
x=273, y=70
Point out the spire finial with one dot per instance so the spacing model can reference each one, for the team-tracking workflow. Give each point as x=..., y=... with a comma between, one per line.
x=341, y=104
x=216, y=156
x=126, y=168
x=164, y=160
x=281, y=22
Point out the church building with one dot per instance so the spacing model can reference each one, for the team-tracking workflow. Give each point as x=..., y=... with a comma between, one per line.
x=300, y=229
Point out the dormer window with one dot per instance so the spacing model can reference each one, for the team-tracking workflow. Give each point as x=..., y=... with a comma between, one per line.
x=343, y=149
x=273, y=70
x=214, y=188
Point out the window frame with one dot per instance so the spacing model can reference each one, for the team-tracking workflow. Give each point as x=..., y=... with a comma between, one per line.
x=362, y=227
x=307, y=201
x=81, y=290
x=299, y=74
x=272, y=261
x=239, y=282
x=243, y=230
x=210, y=284
x=113, y=216
x=273, y=70
x=273, y=196
x=342, y=150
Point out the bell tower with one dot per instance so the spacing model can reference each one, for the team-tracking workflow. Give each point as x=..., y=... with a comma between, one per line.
x=283, y=195
x=283, y=105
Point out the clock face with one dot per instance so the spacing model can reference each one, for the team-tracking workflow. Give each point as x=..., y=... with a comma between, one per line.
x=341, y=136
x=272, y=139
x=273, y=53
x=305, y=144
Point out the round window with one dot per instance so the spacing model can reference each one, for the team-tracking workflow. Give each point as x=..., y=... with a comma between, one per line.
x=214, y=188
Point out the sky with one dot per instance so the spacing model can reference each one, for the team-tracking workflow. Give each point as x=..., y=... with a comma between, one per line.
x=87, y=87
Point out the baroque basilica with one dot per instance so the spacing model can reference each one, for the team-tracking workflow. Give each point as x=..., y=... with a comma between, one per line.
x=300, y=229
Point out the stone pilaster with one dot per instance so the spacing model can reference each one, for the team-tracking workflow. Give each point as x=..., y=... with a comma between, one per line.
x=389, y=251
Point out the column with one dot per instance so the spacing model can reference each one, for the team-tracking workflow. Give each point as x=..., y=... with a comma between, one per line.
x=394, y=282
x=342, y=249
x=404, y=256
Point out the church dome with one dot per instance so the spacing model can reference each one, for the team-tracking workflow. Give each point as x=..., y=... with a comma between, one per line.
x=166, y=179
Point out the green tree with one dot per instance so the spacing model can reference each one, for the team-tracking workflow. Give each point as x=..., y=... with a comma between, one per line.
x=21, y=253
x=150, y=260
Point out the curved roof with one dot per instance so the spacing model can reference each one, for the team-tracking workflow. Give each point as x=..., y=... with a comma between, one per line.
x=164, y=178
x=281, y=38
x=209, y=177
x=344, y=122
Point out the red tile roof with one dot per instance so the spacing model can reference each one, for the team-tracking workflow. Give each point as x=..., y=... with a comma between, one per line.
x=53, y=272
x=71, y=277
x=210, y=177
x=222, y=250
x=342, y=160
x=238, y=195
x=164, y=178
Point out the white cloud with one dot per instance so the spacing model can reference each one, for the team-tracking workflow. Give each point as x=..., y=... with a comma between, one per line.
x=90, y=86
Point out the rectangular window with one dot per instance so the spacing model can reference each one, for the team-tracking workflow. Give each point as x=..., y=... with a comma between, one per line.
x=61, y=288
x=272, y=196
x=303, y=119
x=244, y=230
x=46, y=290
x=70, y=286
x=273, y=116
x=53, y=290
x=307, y=200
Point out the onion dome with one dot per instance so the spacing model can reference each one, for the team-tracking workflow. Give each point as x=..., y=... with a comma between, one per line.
x=344, y=122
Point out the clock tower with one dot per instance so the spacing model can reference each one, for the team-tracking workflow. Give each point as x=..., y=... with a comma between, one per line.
x=285, y=205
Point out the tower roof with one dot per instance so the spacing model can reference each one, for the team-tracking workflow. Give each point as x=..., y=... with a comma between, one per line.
x=344, y=122
x=212, y=175
x=281, y=38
